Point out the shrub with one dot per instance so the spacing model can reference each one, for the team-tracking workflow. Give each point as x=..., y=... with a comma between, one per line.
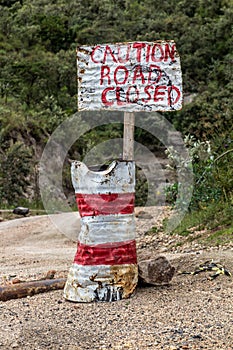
x=15, y=167
x=203, y=161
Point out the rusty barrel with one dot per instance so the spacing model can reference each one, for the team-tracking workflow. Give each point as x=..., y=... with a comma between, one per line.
x=105, y=264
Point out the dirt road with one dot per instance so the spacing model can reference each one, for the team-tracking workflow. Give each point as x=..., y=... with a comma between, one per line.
x=193, y=312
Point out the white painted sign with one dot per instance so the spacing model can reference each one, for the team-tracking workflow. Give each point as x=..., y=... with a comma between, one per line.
x=136, y=76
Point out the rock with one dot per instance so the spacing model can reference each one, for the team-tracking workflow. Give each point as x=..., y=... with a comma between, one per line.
x=156, y=271
x=141, y=214
x=16, y=280
x=21, y=211
x=50, y=274
x=14, y=345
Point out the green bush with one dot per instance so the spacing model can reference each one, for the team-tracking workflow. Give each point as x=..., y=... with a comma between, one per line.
x=217, y=216
x=212, y=173
x=15, y=167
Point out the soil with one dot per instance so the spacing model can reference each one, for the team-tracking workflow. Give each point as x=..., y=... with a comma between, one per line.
x=192, y=312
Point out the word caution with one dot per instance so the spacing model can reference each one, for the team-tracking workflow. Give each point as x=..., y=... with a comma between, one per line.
x=130, y=77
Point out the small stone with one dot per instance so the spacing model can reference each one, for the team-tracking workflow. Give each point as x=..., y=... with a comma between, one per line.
x=21, y=211
x=16, y=280
x=155, y=271
x=14, y=345
x=141, y=214
x=50, y=274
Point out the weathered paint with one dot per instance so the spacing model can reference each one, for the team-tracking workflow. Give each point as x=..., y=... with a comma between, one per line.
x=109, y=253
x=102, y=204
x=118, y=178
x=104, y=225
x=135, y=76
x=105, y=264
x=87, y=283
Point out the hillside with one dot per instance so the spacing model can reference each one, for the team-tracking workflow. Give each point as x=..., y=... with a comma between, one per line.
x=38, y=89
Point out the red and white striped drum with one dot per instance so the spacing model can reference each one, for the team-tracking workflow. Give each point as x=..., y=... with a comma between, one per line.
x=105, y=264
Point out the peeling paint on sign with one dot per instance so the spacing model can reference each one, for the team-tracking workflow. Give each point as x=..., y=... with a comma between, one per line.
x=136, y=76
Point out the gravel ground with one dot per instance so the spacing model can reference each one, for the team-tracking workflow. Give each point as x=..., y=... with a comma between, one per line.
x=192, y=312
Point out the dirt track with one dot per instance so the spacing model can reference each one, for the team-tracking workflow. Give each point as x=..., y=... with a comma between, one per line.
x=193, y=312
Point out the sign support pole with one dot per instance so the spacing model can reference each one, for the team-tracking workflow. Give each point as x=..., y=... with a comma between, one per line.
x=128, y=138
x=105, y=265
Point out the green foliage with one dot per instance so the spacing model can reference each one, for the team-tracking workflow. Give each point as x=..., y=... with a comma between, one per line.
x=223, y=167
x=221, y=236
x=38, y=76
x=15, y=163
x=141, y=189
x=213, y=173
x=38, y=39
x=215, y=218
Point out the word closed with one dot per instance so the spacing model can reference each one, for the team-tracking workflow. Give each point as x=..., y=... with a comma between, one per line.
x=138, y=76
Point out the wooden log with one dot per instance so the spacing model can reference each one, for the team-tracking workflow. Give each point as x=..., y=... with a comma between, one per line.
x=155, y=270
x=24, y=289
x=152, y=270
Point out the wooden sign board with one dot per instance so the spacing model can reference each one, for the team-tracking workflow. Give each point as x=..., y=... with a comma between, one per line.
x=130, y=77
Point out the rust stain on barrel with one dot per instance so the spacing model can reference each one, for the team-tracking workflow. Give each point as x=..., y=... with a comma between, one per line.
x=124, y=276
